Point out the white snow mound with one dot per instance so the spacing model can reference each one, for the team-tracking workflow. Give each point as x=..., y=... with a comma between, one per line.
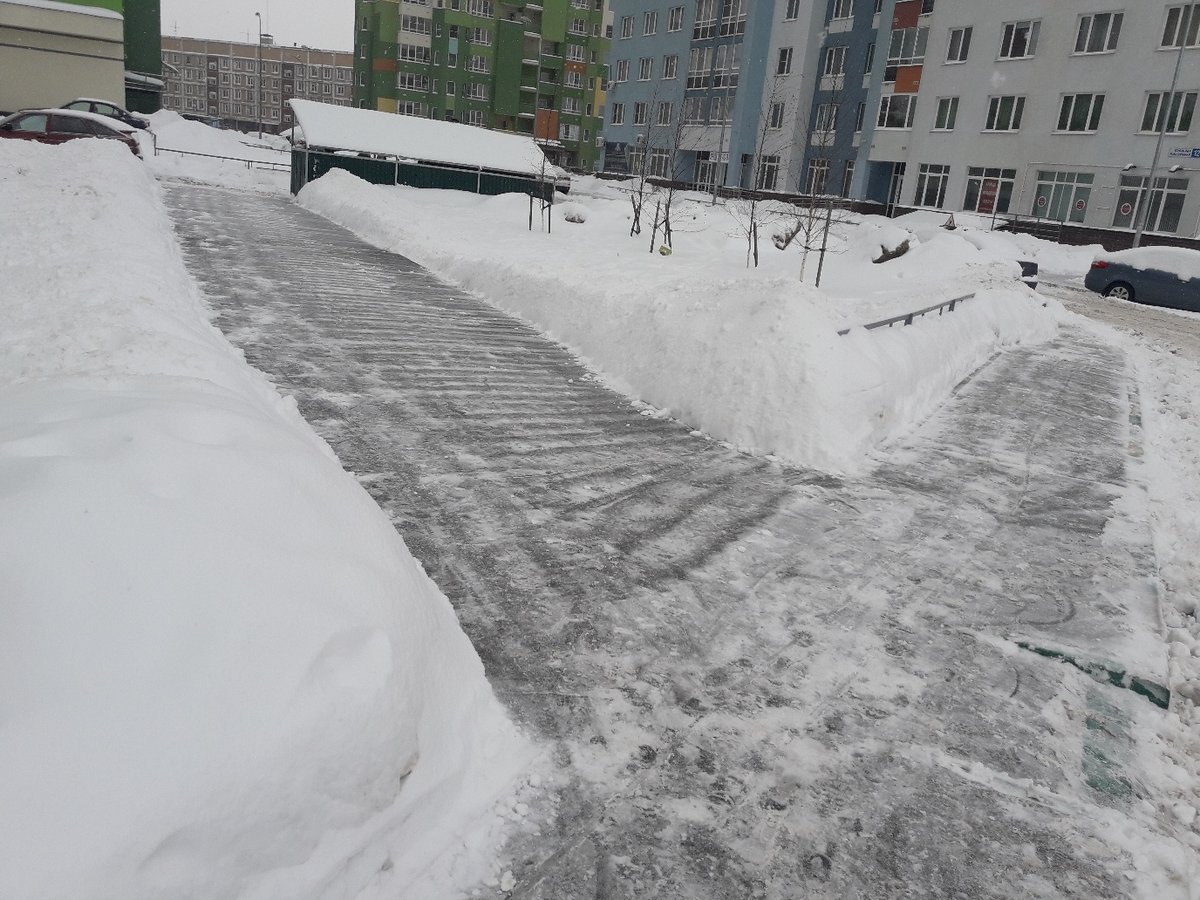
x=221, y=672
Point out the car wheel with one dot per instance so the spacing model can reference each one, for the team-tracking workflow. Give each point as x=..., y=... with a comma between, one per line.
x=1120, y=290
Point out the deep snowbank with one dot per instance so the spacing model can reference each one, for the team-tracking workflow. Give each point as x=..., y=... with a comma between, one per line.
x=752, y=357
x=221, y=672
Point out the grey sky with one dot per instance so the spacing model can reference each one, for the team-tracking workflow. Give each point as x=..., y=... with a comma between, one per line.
x=326, y=24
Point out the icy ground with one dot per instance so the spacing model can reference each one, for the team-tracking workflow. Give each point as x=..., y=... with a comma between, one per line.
x=934, y=677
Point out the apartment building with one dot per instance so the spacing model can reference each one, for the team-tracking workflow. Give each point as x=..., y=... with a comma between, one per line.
x=246, y=86
x=533, y=68
x=1079, y=111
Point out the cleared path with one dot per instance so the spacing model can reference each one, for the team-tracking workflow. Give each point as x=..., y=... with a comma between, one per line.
x=758, y=681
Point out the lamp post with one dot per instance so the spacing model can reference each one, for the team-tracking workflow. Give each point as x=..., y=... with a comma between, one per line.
x=1143, y=210
x=258, y=79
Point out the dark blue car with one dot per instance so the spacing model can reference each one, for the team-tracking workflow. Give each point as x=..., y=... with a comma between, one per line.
x=1158, y=276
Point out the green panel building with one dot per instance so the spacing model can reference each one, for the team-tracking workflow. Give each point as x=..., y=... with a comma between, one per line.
x=534, y=68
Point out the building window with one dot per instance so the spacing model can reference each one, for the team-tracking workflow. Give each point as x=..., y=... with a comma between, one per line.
x=776, y=117
x=947, y=112
x=618, y=113
x=659, y=164
x=570, y=105
x=989, y=190
x=1165, y=203
x=960, y=45
x=451, y=87
x=1004, y=113
x=670, y=66
x=1098, y=33
x=575, y=52
x=906, y=49
x=793, y=10
x=733, y=17
x=481, y=8
x=842, y=9
x=666, y=112
x=639, y=113
x=931, y=185
x=1062, y=196
x=1173, y=116
x=1020, y=39
x=650, y=23
x=645, y=68
x=578, y=26
x=622, y=70
x=847, y=177
x=859, y=117
x=725, y=70
x=869, y=59
x=675, y=19
x=897, y=110
x=825, y=123
x=721, y=110
x=627, y=26
x=699, y=66
x=1183, y=26
x=835, y=61
x=694, y=110
x=416, y=24
x=479, y=64
x=1080, y=112
x=784, y=64
x=706, y=20
x=817, y=175
x=768, y=173
x=410, y=108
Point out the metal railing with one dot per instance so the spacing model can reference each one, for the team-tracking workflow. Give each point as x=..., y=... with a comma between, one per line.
x=250, y=163
x=907, y=318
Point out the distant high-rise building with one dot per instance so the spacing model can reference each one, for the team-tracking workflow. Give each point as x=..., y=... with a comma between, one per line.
x=221, y=80
x=534, y=68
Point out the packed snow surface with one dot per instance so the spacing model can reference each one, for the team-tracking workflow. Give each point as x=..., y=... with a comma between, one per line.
x=750, y=356
x=221, y=672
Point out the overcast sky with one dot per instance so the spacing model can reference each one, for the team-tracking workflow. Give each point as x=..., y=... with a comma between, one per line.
x=325, y=24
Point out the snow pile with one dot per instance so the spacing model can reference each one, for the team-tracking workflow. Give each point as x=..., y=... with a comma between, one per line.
x=221, y=672
x=750, y=356
x=226, y=154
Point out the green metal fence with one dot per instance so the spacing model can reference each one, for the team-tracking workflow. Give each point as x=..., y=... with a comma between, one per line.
x=308, y=165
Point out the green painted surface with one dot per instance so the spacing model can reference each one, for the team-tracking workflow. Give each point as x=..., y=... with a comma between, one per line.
x=554, y=19
x=510, y=40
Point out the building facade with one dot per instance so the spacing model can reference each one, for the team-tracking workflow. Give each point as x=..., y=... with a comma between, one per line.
x=52, y=53
x=247, y=86
x=533, y=68
x=1077, y=111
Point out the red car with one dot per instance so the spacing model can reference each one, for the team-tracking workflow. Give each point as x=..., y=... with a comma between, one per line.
x=54, y=126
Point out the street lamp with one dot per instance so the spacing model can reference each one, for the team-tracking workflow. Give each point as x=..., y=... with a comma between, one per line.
x=258, y=83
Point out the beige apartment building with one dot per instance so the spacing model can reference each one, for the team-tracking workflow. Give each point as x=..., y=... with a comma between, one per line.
x=245, y=85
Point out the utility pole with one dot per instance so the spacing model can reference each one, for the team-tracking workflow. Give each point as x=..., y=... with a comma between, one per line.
x=1164, y=110
x=258, y=82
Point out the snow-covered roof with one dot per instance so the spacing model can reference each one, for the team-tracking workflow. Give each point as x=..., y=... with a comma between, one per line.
x=98, y=11
x=430, y=140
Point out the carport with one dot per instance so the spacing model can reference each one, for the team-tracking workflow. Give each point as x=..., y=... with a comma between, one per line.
x=386, y=148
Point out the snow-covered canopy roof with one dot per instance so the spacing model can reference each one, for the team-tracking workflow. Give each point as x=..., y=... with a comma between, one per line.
x=428, y=140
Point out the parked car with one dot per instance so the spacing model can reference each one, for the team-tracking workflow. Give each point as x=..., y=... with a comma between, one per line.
x=104, y=108
x=1158, y=276
x=55, y=126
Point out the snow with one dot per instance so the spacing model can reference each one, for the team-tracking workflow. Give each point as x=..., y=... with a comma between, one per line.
x=221, y=671
x=237, y=160
x=1179, y=261
x=328, y=126
x=751, y=357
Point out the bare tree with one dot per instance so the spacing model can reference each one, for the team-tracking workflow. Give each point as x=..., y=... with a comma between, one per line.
x=769, y=142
